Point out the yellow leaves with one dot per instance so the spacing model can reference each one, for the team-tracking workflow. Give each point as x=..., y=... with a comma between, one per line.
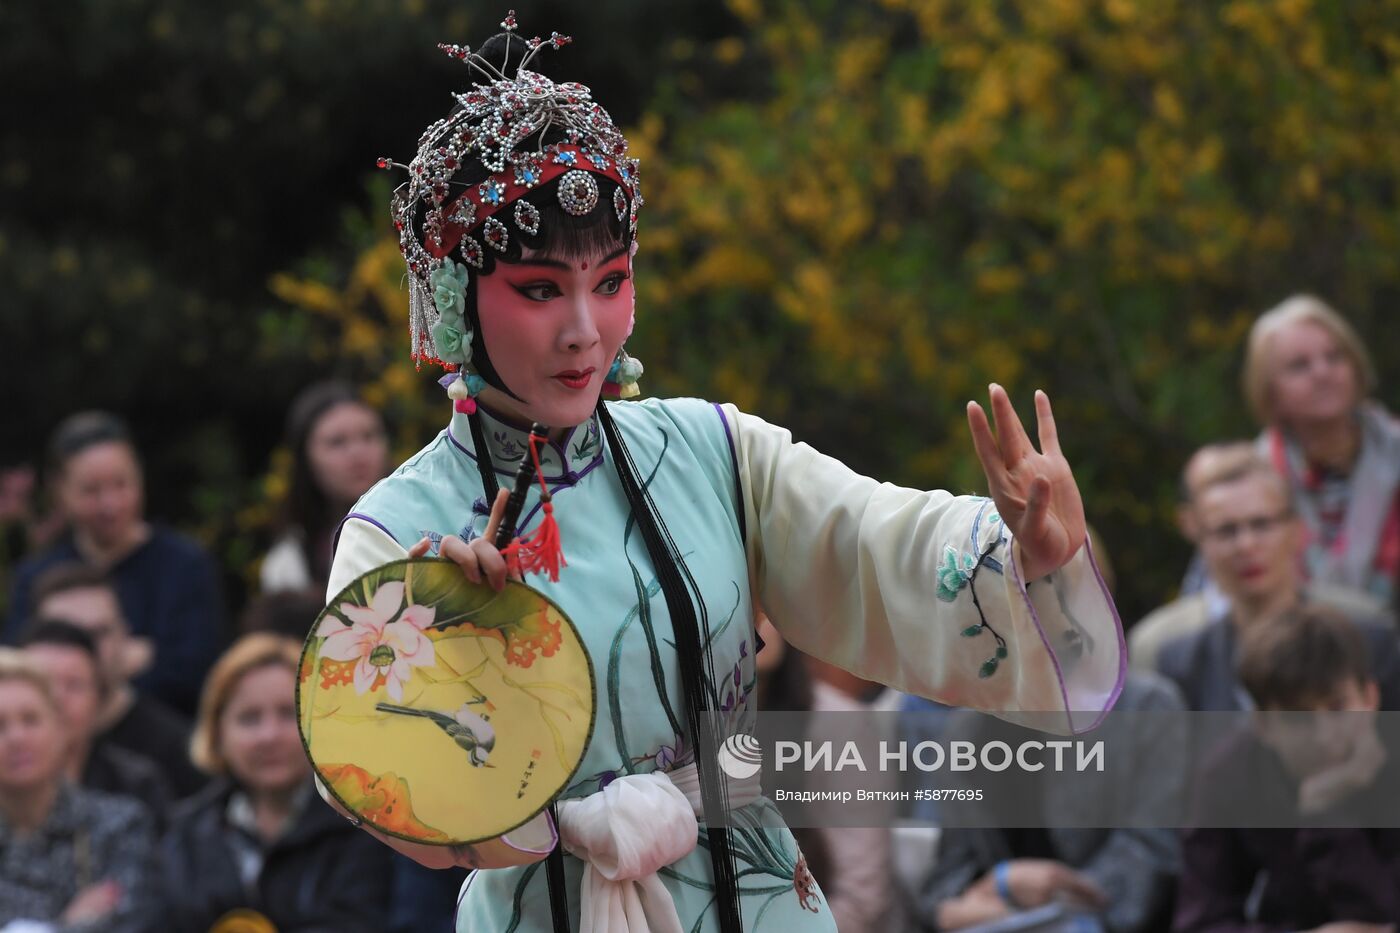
x=728, y=51
x=858, y=61
x=1167, y=104
x=1309, y=185
x=749, y=11
x=1000, y=280
x=727, y=265
x=305, y=294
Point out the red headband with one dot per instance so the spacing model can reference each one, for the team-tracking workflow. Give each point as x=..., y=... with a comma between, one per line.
x=504, y=188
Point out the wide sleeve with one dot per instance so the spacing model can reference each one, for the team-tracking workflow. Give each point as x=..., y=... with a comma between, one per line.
x=921, y=590
x=361, y=547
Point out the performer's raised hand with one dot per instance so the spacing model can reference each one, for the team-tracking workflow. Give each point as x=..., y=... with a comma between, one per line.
x=1034, y=490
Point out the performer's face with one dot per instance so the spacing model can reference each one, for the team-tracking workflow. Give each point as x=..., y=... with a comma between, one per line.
x=552, y=328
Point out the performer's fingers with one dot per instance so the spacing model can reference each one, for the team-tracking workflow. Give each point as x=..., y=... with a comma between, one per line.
x=493, y=565
x=421, y=548
x=985, y=445
x=1011, y=436
x=463, y=555
x=1045, y=422
x=498, y=510
x=1037, y=506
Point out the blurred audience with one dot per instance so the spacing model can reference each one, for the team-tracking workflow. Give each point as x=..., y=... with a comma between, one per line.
x=1308, y=379
x=1328, y=769
x=168, y=586
x=259, y=842
x=287, y=612
x=67, y=655
x=784, y=685
x=1044, y=863
x=339, y=451
x=83, y=596
x=71, y=859
x=1250, y=537
x=1202, y=599
x=861, y=887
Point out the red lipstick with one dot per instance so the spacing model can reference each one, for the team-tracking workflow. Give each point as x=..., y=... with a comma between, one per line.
x=575, y=379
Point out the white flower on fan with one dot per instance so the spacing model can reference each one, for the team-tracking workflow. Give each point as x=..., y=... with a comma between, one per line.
x=381, y=639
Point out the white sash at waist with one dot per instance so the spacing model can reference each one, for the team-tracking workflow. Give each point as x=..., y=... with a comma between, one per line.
x=627, y=831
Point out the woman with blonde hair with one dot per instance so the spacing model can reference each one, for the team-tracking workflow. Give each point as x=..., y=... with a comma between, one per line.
x=70, y=858
x=257, y=850
x=1309, y=381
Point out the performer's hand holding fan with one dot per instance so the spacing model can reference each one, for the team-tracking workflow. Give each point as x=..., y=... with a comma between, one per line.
x=445, y=714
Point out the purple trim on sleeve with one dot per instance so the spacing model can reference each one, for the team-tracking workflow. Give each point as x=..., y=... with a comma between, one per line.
x=734, y=465
x=553, y=839
x=335, y=541
x=1015, y=566
x=373, y=521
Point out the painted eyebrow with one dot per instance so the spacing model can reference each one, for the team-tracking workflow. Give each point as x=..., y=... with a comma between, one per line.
x=565, y=267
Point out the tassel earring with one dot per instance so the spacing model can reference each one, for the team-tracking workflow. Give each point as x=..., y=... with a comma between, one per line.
x=622, y=377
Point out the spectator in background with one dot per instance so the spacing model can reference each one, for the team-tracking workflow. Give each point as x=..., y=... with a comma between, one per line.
x=286, y=612
x=83, y=596
x=1250, y=536
x=168, y=586
x=259, y=840
x=70, y=858
x=1050, y=846
x=861, y=888
x=1202, y=600
x=1309, y=379
x=339, y=451
x=784, y=685
x=68, y=657
x=1332, y=772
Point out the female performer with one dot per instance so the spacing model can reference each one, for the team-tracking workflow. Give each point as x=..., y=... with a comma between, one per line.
x=518, y=225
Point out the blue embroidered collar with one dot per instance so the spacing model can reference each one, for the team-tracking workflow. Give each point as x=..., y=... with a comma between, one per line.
x=563, y=463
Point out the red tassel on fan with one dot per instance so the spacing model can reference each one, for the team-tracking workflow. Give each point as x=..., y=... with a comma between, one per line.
x=539, y=552
x=542, y=551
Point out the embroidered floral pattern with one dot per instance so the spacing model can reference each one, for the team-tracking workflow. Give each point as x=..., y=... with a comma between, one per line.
x=805, y=886
x=954, y=573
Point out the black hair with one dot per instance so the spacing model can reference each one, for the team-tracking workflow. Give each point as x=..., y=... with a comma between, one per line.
x=83, y=430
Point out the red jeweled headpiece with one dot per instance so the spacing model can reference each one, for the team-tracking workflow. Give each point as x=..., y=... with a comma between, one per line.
x=495, y=124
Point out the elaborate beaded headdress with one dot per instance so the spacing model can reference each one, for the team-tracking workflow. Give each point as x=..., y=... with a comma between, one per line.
x=502, y=123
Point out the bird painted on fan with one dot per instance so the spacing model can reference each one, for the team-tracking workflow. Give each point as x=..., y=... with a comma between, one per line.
x=472, y=733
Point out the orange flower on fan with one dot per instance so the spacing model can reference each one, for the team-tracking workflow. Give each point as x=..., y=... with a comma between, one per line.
x=385, y=639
